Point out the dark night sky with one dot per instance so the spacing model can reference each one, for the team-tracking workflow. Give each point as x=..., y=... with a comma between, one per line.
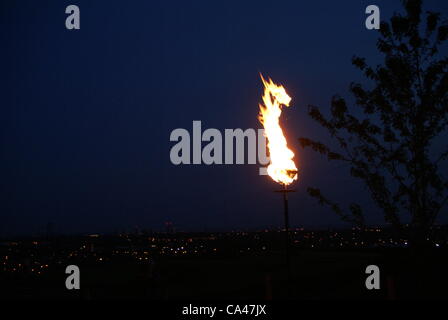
x=86, y=115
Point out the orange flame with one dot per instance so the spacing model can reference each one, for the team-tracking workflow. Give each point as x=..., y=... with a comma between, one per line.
x=282, y=168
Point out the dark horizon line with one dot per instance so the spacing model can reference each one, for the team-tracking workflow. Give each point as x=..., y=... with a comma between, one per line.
x=42, y=235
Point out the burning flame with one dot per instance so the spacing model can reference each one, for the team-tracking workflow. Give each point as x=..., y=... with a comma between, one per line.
x=282, y=168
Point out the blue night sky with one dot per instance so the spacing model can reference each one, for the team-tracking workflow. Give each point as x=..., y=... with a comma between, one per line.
x=86, y=115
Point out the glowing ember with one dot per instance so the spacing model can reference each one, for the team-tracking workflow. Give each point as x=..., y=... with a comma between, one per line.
x=282, y=168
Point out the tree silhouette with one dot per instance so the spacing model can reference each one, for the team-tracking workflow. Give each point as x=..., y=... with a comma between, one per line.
x=388, y=139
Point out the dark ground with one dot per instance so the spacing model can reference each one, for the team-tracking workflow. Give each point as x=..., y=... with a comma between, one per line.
x=316, y=274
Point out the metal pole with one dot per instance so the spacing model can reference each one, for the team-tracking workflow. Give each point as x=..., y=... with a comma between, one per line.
x=285, y=192
x=287, y=249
